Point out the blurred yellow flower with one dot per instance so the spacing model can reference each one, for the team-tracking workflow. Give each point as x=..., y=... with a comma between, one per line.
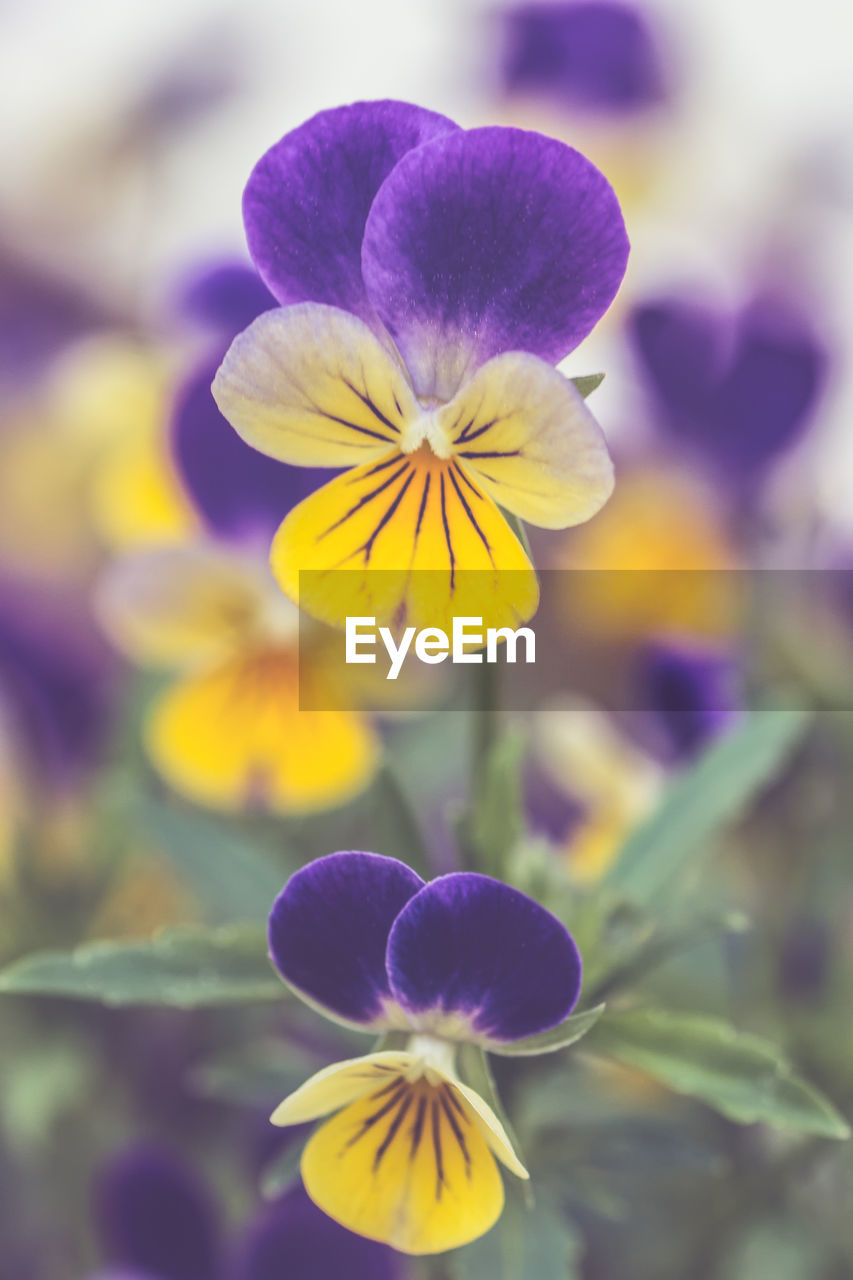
x=228, y=732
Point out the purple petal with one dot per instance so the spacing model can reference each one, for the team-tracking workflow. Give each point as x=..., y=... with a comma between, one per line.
x=487, y=241
x=226, y=297
x=155, y=1216
x=469, y=945
x=595, y=55
x=308, y=197
x=550, y=810
x=692, y=691
x=329, y=929
x=238, y=491
x=739, y=388
x=294, y=1239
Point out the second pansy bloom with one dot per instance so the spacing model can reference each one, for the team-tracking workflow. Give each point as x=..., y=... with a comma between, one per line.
x=409, y=1157
x=430, y=277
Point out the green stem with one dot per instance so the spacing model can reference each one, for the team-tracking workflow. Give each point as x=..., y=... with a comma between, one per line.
x=486, y=723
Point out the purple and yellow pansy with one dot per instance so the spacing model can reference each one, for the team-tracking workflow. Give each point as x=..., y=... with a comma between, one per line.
x=228, y=732
x=429, y=278
x=409, y=1154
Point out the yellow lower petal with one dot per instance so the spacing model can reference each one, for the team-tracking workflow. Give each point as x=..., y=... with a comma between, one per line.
x=234, y=736
x=406, y=1165
x=408, y=540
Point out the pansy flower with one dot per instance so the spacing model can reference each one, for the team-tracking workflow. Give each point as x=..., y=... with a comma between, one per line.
x=430, y=278
x=228, y=731
x=409, y=1155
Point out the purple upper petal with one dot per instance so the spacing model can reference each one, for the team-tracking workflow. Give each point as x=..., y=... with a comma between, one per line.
x=470, y=945
x=596, y=55
x=157, y=1218
x=235, y=489
x=294, y=1240
x=329, y=928
x=491, y=240
x=308, y=197
x=226, y=297
x=739, y=387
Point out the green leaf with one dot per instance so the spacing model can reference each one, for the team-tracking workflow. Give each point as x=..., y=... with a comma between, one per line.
x=284, y=1169
x=231, y=877
x=396, y=830
x=474, y=1070
x=745, y=1078
x=560, y=1037
x=493, y=827
x=182, y=968
x=526, y=1244
x=700, y=802
x=587, y=383
x=259, y=1073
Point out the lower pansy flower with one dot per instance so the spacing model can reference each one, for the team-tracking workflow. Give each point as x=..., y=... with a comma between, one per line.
x=409, y=1156
x=228, y=732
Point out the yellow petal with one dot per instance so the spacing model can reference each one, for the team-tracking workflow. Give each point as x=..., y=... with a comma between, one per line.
x=407, y=1165
x=313, y=386
x=663, y=562
x=181, y=604
x=233, y=736
x=408, y=539
x=525, y=434
x=341, y=1083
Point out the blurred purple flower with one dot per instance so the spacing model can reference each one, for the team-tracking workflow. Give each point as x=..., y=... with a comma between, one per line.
x=155, y=1217
x=551, y=811
x=56, y=678
x=39, y=316
x=238, y=492
x=596, y=55
x=292, y=1238
x=691, y=692
x=737, y=388
x=157, y=1220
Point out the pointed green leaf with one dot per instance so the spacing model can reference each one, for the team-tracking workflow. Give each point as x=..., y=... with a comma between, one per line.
x=706, y=797
x=565, y=1033
x=284, y=1169
x=587, y=383
x=230, y=876
x=493, y=826
x=744, y=1077
x=182, y=968
x=474, y=1070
